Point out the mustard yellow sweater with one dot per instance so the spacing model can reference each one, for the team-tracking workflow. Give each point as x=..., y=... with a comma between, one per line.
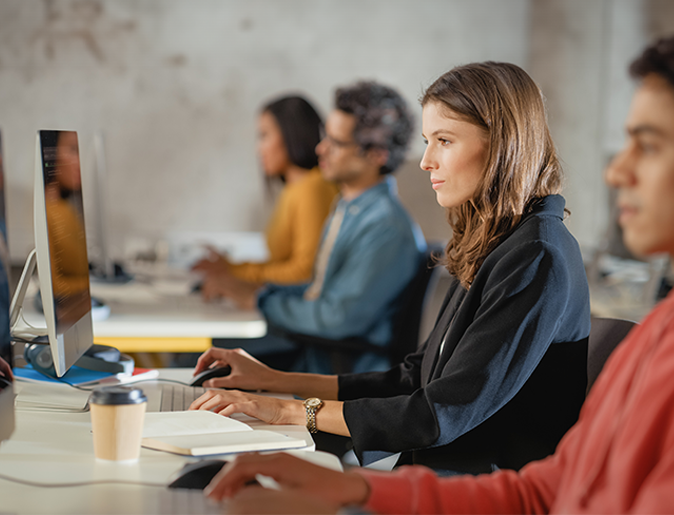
x=293, y=233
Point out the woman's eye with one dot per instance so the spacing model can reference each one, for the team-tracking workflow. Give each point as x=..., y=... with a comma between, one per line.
x=425, y=141
x=443, y=142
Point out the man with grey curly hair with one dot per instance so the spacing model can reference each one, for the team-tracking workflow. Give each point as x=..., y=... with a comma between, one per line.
x=382, y=120
x=371, y=247
x=370, y=250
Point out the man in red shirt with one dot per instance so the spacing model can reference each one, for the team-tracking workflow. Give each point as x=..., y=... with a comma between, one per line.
x=619, y=457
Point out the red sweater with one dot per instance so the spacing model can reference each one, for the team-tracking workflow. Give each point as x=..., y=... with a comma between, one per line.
x=618, y=458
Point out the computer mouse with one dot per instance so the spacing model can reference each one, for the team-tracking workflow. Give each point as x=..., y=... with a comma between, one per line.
x=198, y=475
x=210, y=374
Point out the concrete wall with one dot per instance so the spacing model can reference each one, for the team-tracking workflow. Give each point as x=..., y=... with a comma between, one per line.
x=174, y=85
x=580, y=54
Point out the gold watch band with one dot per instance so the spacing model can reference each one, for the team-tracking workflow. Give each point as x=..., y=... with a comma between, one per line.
x=311, y=406
x=311, y=420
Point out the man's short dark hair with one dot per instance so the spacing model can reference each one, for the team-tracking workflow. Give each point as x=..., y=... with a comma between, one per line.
x=382, y=119
x=657, y=58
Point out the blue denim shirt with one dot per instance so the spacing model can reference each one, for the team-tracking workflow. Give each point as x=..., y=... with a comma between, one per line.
x=375, y=255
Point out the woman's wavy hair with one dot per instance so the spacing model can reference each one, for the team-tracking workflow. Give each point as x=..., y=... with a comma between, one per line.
x=522, y=164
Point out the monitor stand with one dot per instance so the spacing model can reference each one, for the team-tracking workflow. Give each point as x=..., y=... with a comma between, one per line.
x=100, y=358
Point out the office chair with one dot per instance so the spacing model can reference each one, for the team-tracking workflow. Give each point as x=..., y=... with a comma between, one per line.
x=605, y=335
x=406, y=322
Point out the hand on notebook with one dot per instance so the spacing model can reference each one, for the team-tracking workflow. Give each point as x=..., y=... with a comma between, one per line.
x=268, y=409
x=247, y=372
x=296, y=476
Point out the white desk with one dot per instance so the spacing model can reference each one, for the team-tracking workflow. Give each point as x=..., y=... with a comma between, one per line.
x=53, y=448
x=162, y=316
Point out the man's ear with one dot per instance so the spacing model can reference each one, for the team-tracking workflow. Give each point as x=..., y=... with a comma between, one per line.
x=377, y=156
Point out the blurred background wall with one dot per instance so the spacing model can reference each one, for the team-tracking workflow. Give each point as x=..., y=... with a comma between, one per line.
x=175, y=85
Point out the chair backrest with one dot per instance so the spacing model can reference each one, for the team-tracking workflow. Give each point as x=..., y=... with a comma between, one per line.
x=407, y=320
x=605, y=335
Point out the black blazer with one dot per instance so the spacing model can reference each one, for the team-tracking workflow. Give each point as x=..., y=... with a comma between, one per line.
x=511, y=378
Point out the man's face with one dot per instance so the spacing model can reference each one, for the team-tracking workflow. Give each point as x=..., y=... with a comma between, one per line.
x=339, y=156
x=643, y=172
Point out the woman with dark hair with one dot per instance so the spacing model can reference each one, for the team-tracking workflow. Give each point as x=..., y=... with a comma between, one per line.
x=289, y=129
x=502, y=375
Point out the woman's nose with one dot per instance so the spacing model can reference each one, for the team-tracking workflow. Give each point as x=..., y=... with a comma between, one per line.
x=427, y=162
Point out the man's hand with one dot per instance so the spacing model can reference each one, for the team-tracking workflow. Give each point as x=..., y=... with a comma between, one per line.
x=218, y=285
x=259, y=500
x=247, y=372
x=291, y=473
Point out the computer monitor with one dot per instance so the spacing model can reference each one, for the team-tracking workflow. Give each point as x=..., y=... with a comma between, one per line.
x=60, y=253
x=103, y=266
x=6, y=390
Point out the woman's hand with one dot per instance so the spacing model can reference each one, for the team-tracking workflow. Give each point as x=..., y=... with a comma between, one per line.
x=268, y=409
x=247, y=372
x=213, y=263
x=6, y=370
x=259, y=500
x=291, y=473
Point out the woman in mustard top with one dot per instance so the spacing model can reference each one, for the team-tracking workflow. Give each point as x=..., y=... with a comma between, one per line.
x=288, y=131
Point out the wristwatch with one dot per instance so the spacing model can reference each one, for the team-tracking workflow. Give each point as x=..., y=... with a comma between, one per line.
x=312, y=405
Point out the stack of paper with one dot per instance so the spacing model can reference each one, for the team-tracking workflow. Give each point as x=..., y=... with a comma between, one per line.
x=200, y=433
x=79, y=376
x=50, y=396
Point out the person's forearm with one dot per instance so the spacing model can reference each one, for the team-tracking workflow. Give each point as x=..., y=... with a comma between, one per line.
x=329, y=418
x=324, y=387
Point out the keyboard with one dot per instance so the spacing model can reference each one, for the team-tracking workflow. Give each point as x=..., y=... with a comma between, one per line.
x=173, y=397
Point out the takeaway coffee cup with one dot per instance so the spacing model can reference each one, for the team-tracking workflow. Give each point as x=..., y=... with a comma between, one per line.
x=117, y=415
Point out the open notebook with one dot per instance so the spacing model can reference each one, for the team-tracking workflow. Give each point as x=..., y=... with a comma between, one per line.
x=201, y=433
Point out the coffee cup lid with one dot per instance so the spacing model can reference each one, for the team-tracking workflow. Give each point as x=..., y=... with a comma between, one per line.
x=116, y=395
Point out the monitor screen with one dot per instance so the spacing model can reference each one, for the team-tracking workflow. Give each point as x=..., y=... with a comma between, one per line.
x=65, y=227
x=5, y=343
x=61, y=246
x=6, y=391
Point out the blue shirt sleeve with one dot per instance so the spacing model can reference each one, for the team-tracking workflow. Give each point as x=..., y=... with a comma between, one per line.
x=379, y=264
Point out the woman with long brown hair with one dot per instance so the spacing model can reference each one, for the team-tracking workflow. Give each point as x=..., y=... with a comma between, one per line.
x=289, y=128
x=502, y=376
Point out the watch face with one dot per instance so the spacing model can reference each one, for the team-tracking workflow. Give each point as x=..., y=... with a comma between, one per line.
x=313, y=402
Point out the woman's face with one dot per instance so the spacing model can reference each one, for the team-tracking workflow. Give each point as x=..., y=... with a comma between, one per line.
x=68, y=162
x=270, y=146
x=455, y=156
